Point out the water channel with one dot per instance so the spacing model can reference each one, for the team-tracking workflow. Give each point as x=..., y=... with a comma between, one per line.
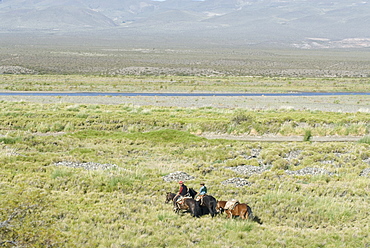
x=16, y=93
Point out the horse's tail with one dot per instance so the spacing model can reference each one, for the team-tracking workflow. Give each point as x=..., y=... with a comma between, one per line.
x=212, y=205
x=250, y=213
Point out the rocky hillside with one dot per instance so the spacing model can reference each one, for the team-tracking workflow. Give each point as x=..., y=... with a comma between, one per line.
x=300, y=23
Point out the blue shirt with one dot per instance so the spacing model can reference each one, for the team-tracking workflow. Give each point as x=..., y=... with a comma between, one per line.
x=203, y=190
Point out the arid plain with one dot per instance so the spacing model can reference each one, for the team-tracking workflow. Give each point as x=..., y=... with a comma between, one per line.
x=93, y=171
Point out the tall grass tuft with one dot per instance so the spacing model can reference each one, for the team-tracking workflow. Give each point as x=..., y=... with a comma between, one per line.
x=365, y=140
x=9, y=140
x=60, y=173
x=307, y=135
x=238, y=225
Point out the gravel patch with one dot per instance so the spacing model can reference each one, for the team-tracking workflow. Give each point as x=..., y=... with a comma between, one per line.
x=365, y=172
x=237, y=182
x=16, y=70
x=255, y=152
x=178, y=176
x=309, y=171
x=86, y=166
x=366, y=160
x=293, y=155
x=248, y=170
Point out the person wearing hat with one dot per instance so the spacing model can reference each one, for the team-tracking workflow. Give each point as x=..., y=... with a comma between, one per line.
x=183, y=189
x=182, y=192
x=202, y=193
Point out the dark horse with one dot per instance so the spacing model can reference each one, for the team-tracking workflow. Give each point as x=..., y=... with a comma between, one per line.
x=169, y=197
x=208, y=202
x=192, y=206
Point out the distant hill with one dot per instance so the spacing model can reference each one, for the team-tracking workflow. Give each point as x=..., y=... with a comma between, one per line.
x=299, y=23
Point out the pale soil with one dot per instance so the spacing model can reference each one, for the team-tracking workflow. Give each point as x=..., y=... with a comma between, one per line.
x=350, y=104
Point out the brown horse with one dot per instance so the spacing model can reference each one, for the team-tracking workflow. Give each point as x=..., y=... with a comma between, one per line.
x=220, y=206
x=242, y=210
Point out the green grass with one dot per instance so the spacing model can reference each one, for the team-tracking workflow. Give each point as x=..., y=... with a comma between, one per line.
x=307, y=135
x=43, y=118
x=179, y=84
x=44, y=205
x=365, y=140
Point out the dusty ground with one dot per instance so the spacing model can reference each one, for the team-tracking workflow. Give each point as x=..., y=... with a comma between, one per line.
x=350, y=103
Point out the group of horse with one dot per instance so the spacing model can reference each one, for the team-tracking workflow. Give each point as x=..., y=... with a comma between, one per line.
x=209, y=205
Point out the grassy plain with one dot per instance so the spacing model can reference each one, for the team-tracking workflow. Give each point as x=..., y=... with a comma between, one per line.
x=174, y=83
x=47, y=204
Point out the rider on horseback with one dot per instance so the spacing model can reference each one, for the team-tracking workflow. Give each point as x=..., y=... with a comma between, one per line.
x=182, y=192
x=202, y=193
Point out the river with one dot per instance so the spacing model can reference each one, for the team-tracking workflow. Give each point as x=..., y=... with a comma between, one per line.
x=39, y=93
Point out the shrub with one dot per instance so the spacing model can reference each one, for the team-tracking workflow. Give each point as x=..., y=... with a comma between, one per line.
x=9, y=140
x=307, y=135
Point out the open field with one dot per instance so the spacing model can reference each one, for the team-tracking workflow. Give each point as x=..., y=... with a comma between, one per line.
x=85, y=174
x=90, y=172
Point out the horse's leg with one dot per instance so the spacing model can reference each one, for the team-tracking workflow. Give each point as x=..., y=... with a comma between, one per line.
x=211, y=211
x=195, y=212
x=176, y=206
x=220, y=210
x=244, y=214
x=228, y=214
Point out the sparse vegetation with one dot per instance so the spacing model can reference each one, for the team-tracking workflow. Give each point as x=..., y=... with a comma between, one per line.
x=61, y=117
x=335, y=69
x=92, y=175
x=46, y=203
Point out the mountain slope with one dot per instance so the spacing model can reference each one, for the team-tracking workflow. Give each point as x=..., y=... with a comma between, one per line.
x=234, y=21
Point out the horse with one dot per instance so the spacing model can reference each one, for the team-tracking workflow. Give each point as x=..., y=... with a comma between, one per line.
x=177, y=206
x=192, y=206
x=220, y=206
x=242, y=210
x=189, y=205
x=169, y=197
x=210, y=203
x=192, y=192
